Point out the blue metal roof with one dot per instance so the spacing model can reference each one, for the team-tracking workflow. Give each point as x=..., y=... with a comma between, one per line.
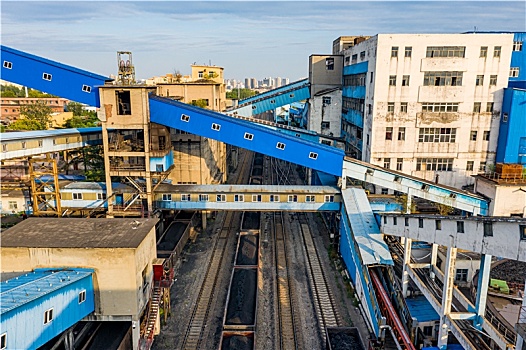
x=30, y=286
x=26, y=135
x=421, y=309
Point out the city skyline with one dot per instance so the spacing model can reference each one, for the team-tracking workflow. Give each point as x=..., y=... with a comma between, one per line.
x=248, y=39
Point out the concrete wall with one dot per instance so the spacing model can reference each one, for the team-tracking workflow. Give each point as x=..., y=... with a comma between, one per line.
x=117, y=280
x=507, y=199
x=320, y=76
x=379, y=93
x=320, y=112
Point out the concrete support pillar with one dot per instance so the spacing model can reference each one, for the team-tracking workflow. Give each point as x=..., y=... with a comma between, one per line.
x=407, y=260
x=434, y=251
x=482, y=290
x=521, y=342
x=203, y=220
x=408, y=203
x=447, y=296
x=136, y=334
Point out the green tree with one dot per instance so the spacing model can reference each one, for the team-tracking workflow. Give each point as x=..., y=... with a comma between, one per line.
x=199, y=103
x=35, y=117
x=243, y=93
x=94, y=163
x=76, y=108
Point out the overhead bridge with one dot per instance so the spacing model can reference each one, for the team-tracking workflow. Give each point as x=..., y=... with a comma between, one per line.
x=272, y=99
x=22, y=144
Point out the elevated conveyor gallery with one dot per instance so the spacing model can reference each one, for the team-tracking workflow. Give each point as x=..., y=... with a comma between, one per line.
x=272, y=99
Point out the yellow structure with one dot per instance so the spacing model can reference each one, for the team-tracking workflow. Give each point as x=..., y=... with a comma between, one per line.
x=120, y=251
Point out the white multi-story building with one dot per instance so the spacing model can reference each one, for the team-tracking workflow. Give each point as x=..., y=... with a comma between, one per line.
x=426, y=104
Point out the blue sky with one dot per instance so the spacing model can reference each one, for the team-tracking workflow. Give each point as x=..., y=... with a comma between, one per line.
x=248, y=38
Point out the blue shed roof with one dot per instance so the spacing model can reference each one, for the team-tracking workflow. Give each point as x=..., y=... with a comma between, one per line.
x=421, y=309
x=23, y=289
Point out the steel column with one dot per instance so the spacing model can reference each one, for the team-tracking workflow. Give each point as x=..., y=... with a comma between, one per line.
x=447, y=296
x=407, y=260
x=482, y=290
x=434, y=251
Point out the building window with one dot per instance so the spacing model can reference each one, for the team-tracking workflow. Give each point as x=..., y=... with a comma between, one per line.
x=41, y=143
x=392, y=80
x=476, y=107
x=362, y=55
x=514, y=72
x=77, y=195
x=385, y=191
x=347, y=59
x=434, y=164
x=437, y=135
x=405, y=80
x=399, y=163
x=460, y=226
x=406, y=221
x=420, y=223
x=443, y=78
x=408, y=51
x=428, y=331
x=185, y=118
x=280, y=145
x=479, y=81
x=489, y=107
x=24, y=145
x=403, y=107
x=221, y=198
x=469, y=165
x=4, y=147
x=438, y=225
x=461, y=275
x=401, y=133
x=522, y=232
x=203, y=198
x=482, y=167
x=485, y=135
x=293, y=198
x=329, y=199
x=488, y=229
x=13, y=205
x=3, y=341
x=390, y=107
x=8, y=65
x=48, y=316
x=325, y=125
x=123, y=101
x=439, y=107
x=354, y=58
x=167, y=197
x=326, y=100
x=504, y=118
x=310, y=199
x=388, y=133
x=496, y=51
x=395, y=221
x=387, y=163
x=394, y=51
x=473, y=135
x=492, y=80
x=329, y=63
x=256, y=198
x=46, y=76
x=274, y=197
x=86, y=88
x=483, y=51
x=185, y=197
x=101, y=196
x=82, y=297
x=216, y=127
x=372, y=75
x=313, y=155
x=517, y=46
x=248, y=136
x=445, y=51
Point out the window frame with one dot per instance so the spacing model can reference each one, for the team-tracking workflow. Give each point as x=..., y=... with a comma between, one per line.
x=82, y=296
x=48, y=316
x=166, y=197
x=77, y=196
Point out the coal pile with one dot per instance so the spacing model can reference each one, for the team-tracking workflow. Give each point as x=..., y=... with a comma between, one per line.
x=511, y=271
x=250, y=220
x=237, y=342
x=247, y=253
x=344, y=339
x=172, y=236
x=257, y=171
x=241, y=308
x=258, y=159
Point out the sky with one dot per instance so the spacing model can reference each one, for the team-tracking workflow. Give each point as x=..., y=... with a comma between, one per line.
x=248, y=38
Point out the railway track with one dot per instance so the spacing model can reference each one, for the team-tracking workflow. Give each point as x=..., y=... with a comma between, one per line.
x=194, y=333
x=287, y=329
x=324, y=303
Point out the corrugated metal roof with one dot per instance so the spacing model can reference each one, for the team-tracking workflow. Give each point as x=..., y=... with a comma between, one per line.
x=373, y=249
x=33, y=285
x=77, y=233
x=421, y=309
x=98, y=186
x=168, y=188
x=26, y=135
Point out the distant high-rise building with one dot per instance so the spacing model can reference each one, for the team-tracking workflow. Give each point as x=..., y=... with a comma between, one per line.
x=253, y=83
x=247, y=83
x=277, y=82
x=285, y=81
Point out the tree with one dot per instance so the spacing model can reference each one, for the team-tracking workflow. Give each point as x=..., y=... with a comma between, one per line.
x=199, y=103
x=76, y=108
x=243, y=93
x=81, y=117
x=35, y=117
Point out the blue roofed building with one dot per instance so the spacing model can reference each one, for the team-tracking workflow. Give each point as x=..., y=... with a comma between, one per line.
x=37, y=306
x=427, y=319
